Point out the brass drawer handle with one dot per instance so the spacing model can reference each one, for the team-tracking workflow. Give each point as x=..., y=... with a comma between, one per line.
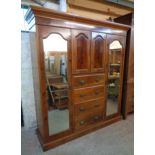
x=97, y=79
x=96, y=118
x=82, y=109
x=97, y=92
x=82, y=82
x=96, y=105
x=82, y=122
x=83, y=95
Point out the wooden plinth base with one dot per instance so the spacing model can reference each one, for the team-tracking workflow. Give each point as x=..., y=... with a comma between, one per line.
x=62, y=140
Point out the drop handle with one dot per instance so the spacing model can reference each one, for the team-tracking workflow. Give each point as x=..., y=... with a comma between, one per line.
x=96, y=118
x=82, y=109
x=96, y=105
x=82, y=82
x=83, y=95
x=82, y=122
x=97, y=79
x=97, y=92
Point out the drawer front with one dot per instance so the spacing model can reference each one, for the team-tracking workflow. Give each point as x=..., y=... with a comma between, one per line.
x=90, y=118
x=83, y=108
x=87, y=80
x=86, y=94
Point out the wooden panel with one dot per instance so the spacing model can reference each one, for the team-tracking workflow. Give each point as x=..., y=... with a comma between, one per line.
x=90, y=118
x=37, y=83
x=130, y=98
x=77, y=133
x=98, y=6
x=63, y=24
x=80, y=51
x=125, y=19
x=81, y=109
x=85, y=94
x=131, y=56
x=98, y=47
x=128, y=87
x=87, y=80
x=51, y=14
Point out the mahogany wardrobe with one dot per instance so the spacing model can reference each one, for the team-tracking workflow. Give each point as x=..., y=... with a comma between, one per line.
x=78, y=68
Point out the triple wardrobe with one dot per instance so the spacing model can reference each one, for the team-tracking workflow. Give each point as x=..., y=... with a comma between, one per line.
x=78, y=72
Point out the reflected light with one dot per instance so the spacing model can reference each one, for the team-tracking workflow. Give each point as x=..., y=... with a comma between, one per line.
x=112, y=31
x=55, y=43
x=115, y=45
x=77, y=24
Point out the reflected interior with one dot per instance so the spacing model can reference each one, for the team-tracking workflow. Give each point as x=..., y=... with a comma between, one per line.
x=55, y=54
x=113, y=77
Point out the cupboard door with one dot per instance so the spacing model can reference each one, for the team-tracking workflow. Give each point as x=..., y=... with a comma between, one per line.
x=98, y=48
x=114, y=73
x=80, y=51
x=54, y=50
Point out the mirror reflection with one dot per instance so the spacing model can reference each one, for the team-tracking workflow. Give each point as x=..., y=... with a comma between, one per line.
x=55, y=54
x=115, y=49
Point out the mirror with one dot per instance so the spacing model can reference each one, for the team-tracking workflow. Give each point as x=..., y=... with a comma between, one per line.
x=55, y=57
x=114, y=60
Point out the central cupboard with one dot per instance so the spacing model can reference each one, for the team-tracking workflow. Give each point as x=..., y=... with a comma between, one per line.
x=89, y=51
x=78, y=68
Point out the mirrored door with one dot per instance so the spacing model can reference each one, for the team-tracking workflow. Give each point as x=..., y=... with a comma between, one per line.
x=114, y=69
x=57, y=86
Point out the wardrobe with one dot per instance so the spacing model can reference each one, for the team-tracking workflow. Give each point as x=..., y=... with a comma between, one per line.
x=78, y=71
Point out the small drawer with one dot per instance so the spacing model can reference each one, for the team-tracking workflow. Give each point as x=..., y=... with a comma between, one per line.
x=87, y=120
x=82, y=108
x=87, y=80
x=86, y=94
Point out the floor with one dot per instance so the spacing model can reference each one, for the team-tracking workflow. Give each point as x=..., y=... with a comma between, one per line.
x=116, y=139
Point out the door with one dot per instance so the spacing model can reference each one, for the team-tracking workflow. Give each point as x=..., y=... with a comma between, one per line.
x=80, y=51
x=114, y=72
x=54, y=45
x=98, y=48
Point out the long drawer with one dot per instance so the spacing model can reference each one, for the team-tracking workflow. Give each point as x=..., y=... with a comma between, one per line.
x=88, y=119
x=86, y=94
x=87, y=80
x=83, y=108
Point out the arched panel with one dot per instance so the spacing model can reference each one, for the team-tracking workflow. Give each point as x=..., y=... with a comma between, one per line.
x=80, y=51
x=98, y=51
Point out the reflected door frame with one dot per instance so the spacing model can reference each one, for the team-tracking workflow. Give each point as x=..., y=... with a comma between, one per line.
x=122, y=40
x=44, y=32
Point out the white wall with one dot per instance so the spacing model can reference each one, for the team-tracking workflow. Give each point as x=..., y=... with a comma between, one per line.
x=27, y=92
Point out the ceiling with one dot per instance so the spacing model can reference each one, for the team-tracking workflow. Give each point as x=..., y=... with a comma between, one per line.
x=101, y=8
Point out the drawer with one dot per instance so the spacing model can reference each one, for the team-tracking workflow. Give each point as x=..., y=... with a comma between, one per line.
x=90, y=118
x=83, y=108
x=88, y=80
x=86, y=94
